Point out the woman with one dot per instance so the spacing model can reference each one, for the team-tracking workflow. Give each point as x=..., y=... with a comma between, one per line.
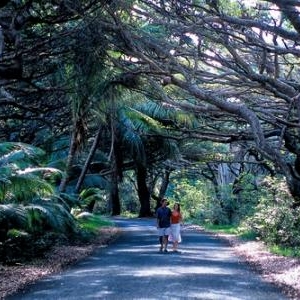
x=176, y=220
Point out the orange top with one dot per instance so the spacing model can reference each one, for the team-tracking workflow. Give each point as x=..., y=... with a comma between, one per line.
x=175, y=217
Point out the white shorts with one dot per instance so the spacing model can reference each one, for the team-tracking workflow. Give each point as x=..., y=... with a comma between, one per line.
x=164, y=231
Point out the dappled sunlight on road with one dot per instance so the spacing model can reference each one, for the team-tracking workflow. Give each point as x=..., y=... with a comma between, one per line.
x=133, y=269
x=184, y=271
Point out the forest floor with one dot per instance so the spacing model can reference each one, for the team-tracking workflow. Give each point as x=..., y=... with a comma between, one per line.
x=283, y=271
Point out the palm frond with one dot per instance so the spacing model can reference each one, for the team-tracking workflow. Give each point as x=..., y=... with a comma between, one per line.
x=168, y=114
x=91, y=195
x=154, y=109
x=142, y=122
x=131, y=136
x=25, y=187
x=59, y=151
x=172, y=149
x=13, y=215
x=19, y=153
x=57, y=164
x=39, y=170
x=45, y=214
x=6, y=170
x=92, y=180
x=67, y=200
x=51, y=175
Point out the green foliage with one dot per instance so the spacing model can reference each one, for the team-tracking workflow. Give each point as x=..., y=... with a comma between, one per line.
x=22, y=188
x=263, y=210
x=28, y=198
x=274, y=220
x=93, y=180
x=13, y=216
x=20, y=181
x=15, y=233
x=68, y=201
x=37, y=217
x=128, y=194
x=195, y=198
x=92, y=223
x=20, y=154
x=245, y=197
x=154, y=30
x=129, y=214
x=239, y=231
x=285, y=251
x=229, y=229
x=133, y=122
x=232, y=204
x=247, y=234
x=47, y=215
x=93, y=200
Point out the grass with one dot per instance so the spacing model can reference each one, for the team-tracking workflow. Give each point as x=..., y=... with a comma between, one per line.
x=285, y=251
x=232, y=229
x=93, y=223
x=229, y=229
x=129, y=214
x=248, y=235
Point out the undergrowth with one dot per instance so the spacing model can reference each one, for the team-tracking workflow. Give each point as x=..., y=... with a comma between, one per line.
x=93, y=223
x=285, y=251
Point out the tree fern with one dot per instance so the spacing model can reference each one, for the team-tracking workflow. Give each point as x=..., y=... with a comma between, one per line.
x=28, y=197
x=23, y=188
x=12, y=215
x=44, y=214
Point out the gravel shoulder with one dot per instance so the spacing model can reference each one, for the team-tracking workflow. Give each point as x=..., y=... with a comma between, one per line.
x=284, y=272
x=280, y=270
x=16, y=277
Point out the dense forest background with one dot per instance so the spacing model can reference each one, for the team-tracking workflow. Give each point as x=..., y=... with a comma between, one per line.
x=108, y=106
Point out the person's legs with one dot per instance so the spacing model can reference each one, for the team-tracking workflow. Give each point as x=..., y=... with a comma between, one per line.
x=167, y=232
x=175, y=245
x=176, y=236
x=161, y=238
x=165, y=242
x=161, y=243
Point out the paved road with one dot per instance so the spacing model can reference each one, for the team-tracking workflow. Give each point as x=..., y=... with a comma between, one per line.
x=132, y=268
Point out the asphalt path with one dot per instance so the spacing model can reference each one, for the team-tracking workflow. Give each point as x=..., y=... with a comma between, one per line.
x=133, y=268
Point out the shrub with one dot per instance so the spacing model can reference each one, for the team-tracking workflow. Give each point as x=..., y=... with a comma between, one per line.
x=274, y=220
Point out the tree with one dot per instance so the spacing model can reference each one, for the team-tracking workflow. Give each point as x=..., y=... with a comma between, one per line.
x=234, y=63
x=230, y=65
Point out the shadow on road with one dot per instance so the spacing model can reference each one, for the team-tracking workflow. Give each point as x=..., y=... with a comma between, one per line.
x=132, y=268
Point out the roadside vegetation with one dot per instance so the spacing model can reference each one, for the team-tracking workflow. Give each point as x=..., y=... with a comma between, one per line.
x=34, y=215
x=263, y=213
x=106, y=107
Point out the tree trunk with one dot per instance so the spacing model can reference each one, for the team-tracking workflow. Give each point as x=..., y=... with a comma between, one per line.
x=143, y=192
x=88, y=160
x=292, y=172
x=71, y=154
x=116, y=174
x=163, y=188
x=114, y=193
x=294, y=187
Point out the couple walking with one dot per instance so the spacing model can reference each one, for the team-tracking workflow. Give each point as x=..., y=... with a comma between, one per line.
x=168, y=225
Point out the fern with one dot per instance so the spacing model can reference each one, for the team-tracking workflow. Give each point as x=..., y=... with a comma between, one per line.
x=13, y=215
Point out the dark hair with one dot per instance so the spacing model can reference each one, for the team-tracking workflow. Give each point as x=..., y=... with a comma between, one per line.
x=178, y=206
x=164, y=200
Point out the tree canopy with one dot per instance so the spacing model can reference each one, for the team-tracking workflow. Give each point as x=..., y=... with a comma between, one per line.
x=220, y=71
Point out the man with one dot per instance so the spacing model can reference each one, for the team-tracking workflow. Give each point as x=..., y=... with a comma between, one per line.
x=163, y=214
